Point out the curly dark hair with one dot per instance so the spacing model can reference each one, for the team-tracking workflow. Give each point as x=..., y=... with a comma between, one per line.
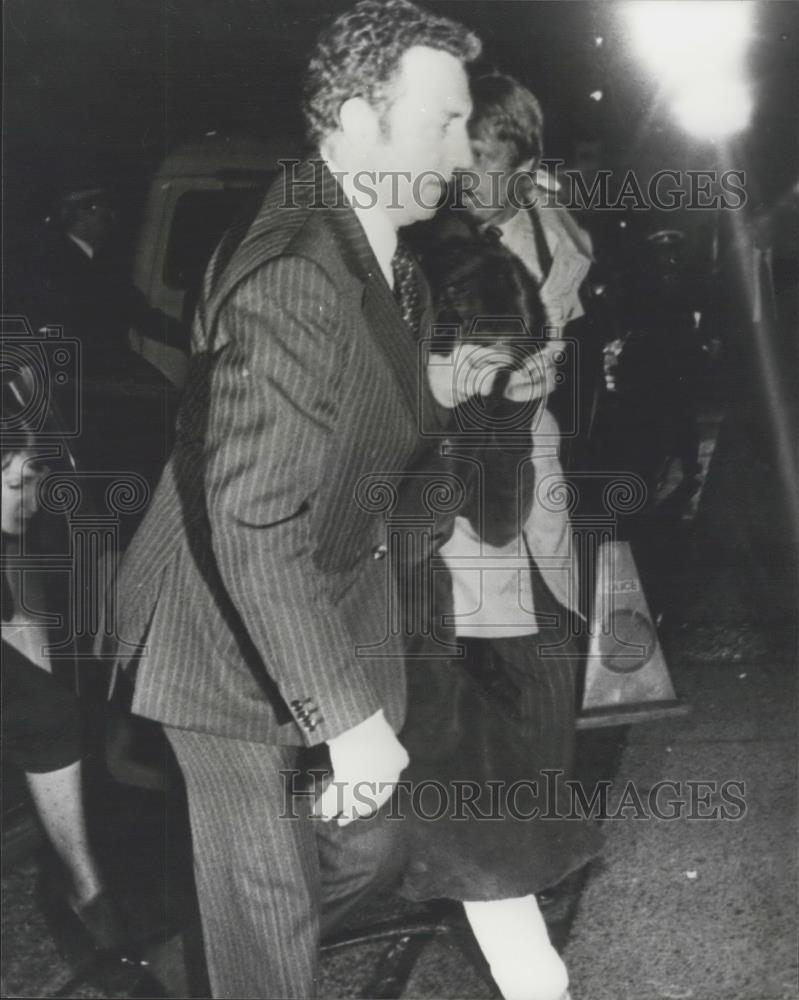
x=504, y=111
x=359, y=54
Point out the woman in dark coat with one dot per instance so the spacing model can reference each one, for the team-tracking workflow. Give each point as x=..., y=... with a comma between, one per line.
x=42, y=719
x=490, y=733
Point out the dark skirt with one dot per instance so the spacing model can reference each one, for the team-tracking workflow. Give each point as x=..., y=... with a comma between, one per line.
x=491, y=741
x=41, y=729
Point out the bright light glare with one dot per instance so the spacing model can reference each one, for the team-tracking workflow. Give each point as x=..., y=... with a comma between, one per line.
x=696, y=48
x=713, y=111
x=672, y=35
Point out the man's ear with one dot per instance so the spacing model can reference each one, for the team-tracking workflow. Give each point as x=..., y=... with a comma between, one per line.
x=360, y=123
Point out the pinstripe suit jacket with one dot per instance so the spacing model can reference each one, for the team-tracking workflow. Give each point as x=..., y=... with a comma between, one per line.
x=255, y=573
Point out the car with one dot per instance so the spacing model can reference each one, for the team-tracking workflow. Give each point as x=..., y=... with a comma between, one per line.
x=197, y=192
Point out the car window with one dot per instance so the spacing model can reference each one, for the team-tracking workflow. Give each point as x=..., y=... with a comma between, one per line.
x=199, y=220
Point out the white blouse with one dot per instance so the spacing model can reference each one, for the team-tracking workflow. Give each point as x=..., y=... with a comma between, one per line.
x=491, y=585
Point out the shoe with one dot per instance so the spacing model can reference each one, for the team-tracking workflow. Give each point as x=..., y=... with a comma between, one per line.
x=101, y=922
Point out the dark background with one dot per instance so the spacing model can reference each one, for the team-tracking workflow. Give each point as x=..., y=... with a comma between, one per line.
x=117, y=84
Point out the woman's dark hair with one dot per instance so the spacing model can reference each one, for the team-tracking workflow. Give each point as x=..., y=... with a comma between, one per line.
x=507, y=113
x=14, y=446
x=18, y=433
x=482, y=291
x=23, y=439
x=482, y=288
x=11, y=447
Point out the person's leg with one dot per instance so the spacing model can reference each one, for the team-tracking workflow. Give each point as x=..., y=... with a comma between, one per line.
x=58, y=798
x=257, y=874
x=513, y=937
x=357, y=861
x=42, y=735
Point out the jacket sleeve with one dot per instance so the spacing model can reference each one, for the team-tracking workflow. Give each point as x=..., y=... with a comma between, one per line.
x=547, y=529
x=274, y=397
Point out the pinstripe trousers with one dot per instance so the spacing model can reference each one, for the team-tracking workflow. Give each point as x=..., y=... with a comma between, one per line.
x=270, y=879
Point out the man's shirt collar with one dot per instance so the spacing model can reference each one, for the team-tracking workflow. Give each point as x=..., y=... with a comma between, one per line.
x=380, y=234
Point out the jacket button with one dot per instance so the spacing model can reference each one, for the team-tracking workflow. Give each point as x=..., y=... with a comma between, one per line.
x=379, y=552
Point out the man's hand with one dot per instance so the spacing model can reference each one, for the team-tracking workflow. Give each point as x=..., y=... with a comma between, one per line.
x=469, y=370
x=367, y=761
x=536, y=379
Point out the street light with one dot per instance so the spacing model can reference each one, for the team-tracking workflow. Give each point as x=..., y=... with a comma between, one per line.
x=696, y=50
x=719, y=109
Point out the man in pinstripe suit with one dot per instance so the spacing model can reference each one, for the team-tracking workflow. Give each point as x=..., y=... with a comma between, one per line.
x=255, y=576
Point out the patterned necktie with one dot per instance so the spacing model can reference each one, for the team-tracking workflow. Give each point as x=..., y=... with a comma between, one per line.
x=541, y=245
x=406, y=287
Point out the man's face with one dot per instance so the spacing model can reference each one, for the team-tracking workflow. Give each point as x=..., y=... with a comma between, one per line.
x=424, y=138
x=485, y=186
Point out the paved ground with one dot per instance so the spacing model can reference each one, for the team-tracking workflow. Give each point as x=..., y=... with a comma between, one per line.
x=694, y=908
x=686, y=908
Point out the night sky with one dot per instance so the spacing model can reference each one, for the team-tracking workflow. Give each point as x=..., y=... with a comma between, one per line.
x=117, y=83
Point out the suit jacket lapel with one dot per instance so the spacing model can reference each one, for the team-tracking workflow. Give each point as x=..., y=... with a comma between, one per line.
x=381, y=312
x=315, y=190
